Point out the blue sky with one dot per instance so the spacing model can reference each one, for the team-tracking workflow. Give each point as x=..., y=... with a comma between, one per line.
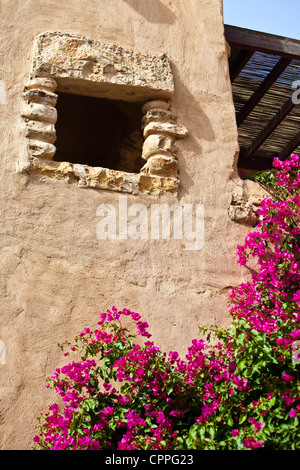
x=281, y=17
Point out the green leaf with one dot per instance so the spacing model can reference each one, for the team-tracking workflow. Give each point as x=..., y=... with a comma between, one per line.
x=230, y=420
x=242, y=418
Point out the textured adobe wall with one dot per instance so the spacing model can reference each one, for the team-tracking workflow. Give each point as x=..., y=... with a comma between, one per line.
x=56, y=275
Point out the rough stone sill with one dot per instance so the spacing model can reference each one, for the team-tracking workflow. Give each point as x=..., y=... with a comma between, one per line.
x=104, y=178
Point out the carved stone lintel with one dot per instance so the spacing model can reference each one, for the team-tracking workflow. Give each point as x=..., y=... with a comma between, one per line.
x=101, y=70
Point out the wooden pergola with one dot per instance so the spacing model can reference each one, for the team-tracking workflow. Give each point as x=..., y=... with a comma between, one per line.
x=263, y=68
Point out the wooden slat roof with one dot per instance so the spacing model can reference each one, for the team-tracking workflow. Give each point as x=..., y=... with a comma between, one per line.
x=263, y=68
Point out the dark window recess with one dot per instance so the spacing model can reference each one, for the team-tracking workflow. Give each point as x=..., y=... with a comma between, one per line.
x=99, y=132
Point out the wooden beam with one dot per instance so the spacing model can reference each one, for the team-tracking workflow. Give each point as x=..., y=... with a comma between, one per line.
x=269, y=128
x=242, y=59
x=290, y=147
x=262, y=42
x=262, y=89
x=255, y=164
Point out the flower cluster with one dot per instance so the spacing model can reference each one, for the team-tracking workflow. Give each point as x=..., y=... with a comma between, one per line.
x=239, y=391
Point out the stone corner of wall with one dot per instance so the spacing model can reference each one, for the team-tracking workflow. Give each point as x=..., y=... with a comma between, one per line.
x=246, y=198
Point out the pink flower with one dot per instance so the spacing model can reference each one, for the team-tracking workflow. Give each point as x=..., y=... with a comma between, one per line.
x=173, y=356
x=123, y=400
x=94, y=445
x=176, y=413
x=288, y=400
x=235, y=432
x=287, y=378
x=99, y=426
x=108, y=411
x=295, y=334
x=251, y=443
x=141, y=326
x=258, y=425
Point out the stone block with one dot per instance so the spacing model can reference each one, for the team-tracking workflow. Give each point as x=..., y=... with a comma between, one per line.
x=161, y=165
x=41, y=131
x=39, y=112
x=158, y=144
x=175, y=130
x=83, y=66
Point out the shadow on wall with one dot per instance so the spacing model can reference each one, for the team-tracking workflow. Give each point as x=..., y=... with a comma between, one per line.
x=197, y=122
x=153, y=11
x=197, y=119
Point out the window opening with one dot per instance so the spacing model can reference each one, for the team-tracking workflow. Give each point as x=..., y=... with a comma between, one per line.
x=99, y=132
x=100, y=116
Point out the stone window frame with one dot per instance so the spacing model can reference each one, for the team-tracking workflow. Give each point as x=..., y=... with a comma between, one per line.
x=71, y=63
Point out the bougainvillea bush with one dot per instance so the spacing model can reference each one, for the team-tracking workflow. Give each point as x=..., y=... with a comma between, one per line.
x=235, y=389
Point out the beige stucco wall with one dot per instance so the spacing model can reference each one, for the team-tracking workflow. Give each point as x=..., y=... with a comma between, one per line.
x=56, y=275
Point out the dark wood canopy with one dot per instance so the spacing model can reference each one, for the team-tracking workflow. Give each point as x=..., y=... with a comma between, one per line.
x=264, y=70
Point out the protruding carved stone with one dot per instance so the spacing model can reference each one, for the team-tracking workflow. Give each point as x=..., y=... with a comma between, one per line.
x=41, y=131
x=40, y=116
x=36, y=95
x=158, y=115
x=161, y=165
x=156, y=104
x=42, y=83
x=165, y=128
x=42, y=149
x=40, y=112
x=160, y=132
x=158, y=143
x=245, y=201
